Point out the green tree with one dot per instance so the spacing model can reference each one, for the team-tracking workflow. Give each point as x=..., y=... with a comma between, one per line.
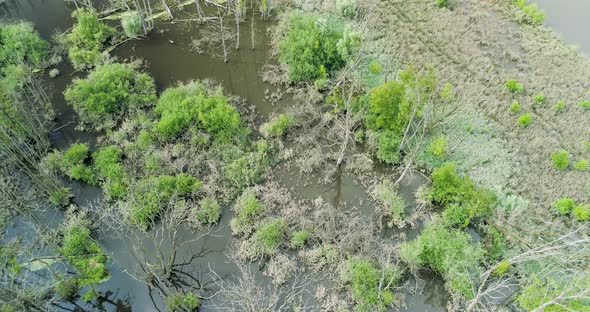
x=88, y=38
x=110, y=91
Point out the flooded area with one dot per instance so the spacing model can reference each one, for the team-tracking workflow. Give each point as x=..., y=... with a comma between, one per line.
x=570, y=19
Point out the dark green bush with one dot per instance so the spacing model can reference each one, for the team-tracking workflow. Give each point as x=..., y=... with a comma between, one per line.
x=462, y=199
x=109, y=92
x=88, y=38
x=310, y=43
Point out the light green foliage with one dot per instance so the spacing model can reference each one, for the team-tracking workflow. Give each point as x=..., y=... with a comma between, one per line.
x=442, y=3
x=108, y=93
x=539, y=98
x=564, y=205
x=346, y=8
x=438, y=146
x=448, y=252
x=107, y=164
x=82, y=251
x=299, y=238
x=247, y=210
x=559, y=106
x=365, y=280
x=514, y=107
x=463, y=201
x=539, y=290
x=524, y=120
x=310, y=42
x=349, y=44
x=582, y=212
x=202, y=105
x=502, y=267
x=88, y=38
x=585, y=104
x=277, y=126
x=179, y=302
x=391, y=205
x=392, y=104
x=581, y=165
x=245, y=168
x=73, y=163
x=388, y=143
x=21, y=43
x=150, y=195
x=530, y=13
x=513, y=86
x=132, y=23
x=209, y=211
x=561, y=159
x=270, y=236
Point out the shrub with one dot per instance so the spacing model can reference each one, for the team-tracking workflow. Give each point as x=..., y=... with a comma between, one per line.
x=270, y=236
x=299, y=238
x=108, y=167
x=502, y=267
x=462, y=199
x=87, y=39
x=61, y=197
x=365, y=280
x=182, y=302
x=391, y=205
x=530, y=12
x=524, y=120
x=209, y=211
x=585, y=104
x=539, y=98
x=514, y=107
x=388, y=143
x=21, y=44
x=247, y=209
x=308, y=45
x=448, y=252
x=346, y=8
x=438, y=146
x=132, y=23
x=72, y=163
x=67, y=288
x=494, y=243
x=581, y=165
x=277, y=126
x=442, y=3
x=513, y=86
x=559, y=106
x=242, y=169
x=539, y=291
x=582, y=212
x=349, y=44
x=564, y=205
x=197, y=103
x=108, y=93
x=561, y=159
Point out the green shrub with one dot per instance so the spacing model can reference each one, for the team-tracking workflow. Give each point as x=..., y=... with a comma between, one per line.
x=438, y=146
x=388, y=143
x=21, y=44
x=349, y=44
x=67, y=288
x=539, y=291
x=310, y=42
x=561, y=159
x=462, y=199
x=277, y=126
x=270, y=236
x=88, y=38
x=494, y=243
x=61, y=197
x=539, y=98
x=564, y=205
x=107, y=164
x=559, y=106
x=247, y=210
x=132, y=23
x=524, y=120
x=530, y=12
x=442, y=3
x=242, y=169
x=72, y=164
x=199, y=104
x=108, y=93
x=365, y=280
x=299, y=238
x=513, y=86
x=581, y=165
x=182, y=302
x=391, y=205
x=448, y=252
x=346, y=8
x=514, y=107
x=585, y=104
x=502, y=267
x=582, y=212
x=209, y=211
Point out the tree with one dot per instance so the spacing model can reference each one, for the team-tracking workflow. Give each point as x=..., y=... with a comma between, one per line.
x=109, y=92
x=88, y=38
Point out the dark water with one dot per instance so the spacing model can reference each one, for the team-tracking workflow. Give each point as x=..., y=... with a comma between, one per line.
x=169, y=59
x=571, y=19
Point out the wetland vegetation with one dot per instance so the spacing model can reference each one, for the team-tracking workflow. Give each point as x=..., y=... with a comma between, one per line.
x=318, y=155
